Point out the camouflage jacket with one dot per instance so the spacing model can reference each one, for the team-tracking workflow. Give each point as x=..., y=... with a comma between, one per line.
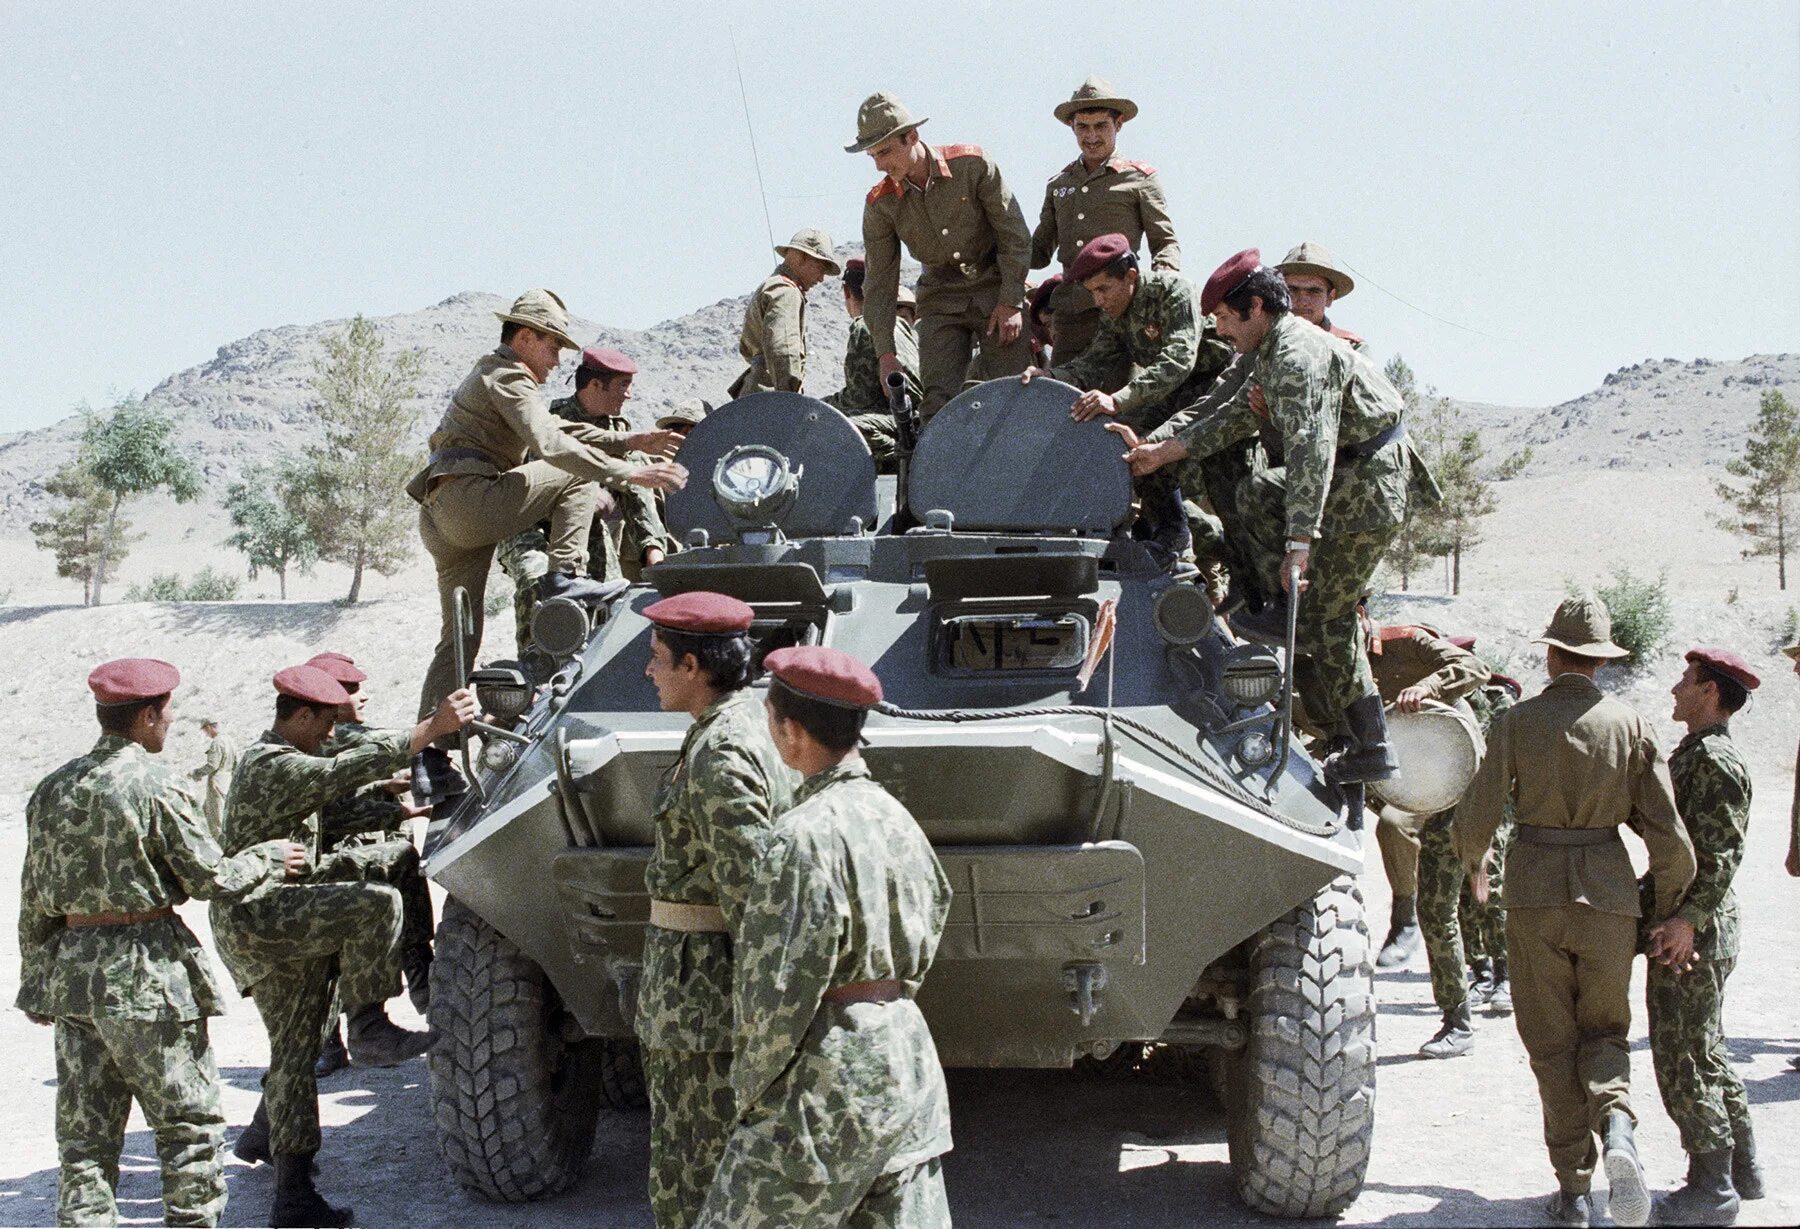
x=863, y=392
x=712, y=813
x=1712, y=792
x=640, y=521
x=849, y=890
x=1157, y=339
x=1117, y=197
x=112, y=832
x=368, y=811
x=773, y=339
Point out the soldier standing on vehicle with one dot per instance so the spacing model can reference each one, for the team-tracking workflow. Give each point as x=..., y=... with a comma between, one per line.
x=953, y=211
x=842, y=1113
x=221, y=757
x=1693, y=953
x=1577, y=764
x=112, y=844
x=712, y=813
x=773, y=340
x=1315, y=282
x=864, y=398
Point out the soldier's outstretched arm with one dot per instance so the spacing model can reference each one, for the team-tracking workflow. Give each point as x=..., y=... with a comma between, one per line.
x=1231, y=388
x=519, y=401
x=1012, y=237
x=881, y=278
x=186, y=843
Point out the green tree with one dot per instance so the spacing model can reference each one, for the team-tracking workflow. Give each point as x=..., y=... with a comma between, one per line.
x=73, y=530
x=132, y=452
x=350, y=489
x=271, y=532
x=1415, y=541
x=1763, y=504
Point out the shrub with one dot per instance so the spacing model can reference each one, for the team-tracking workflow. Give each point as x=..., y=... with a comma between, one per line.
x=162, y=587
x=1790, y=626
x=1641, y=615
x=208, y=585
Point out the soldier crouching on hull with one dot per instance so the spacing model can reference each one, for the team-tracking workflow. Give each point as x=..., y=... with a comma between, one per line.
x=112, y=845
x=864, y=398
x=712, y=814
x=842, y=1113
x=283, y=942
x=773, y=339
x=1693, y=952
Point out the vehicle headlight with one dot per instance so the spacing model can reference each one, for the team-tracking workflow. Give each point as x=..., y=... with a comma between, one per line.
x=1252, y=676
x=756, y=483
x=504, y=693
x=1254, y=750
x=499, y=754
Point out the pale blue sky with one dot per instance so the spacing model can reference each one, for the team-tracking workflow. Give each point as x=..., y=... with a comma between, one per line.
x=1574, y=187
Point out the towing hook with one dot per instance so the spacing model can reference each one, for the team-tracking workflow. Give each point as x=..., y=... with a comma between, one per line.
x=1084, y=982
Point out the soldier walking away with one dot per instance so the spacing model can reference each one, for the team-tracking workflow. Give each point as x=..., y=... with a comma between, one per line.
x=773, y=339
x=221, y=758
x=1577, y=764
x=478, y=489
x=112, y=844
x=1097, y=194
x=949, y=205
x=1693, y=953
x=711, y=813
x=1483, y=922
x=1792, y=863
x=282, y=943
x=864, y=398
x=842, y=1113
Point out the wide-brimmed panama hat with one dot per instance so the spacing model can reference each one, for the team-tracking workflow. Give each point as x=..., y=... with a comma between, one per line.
x=1583, y=626
x=881, y=116
x=811, y=241
x=1095, y=94
x=544, y=311
x=1313, y=258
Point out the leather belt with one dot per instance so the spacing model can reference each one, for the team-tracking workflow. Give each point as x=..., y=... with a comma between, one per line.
x=1532, y=834
x=462, y=454
x=689, y=919
x=118, y=919
x=1374, y=444
x=885, y=991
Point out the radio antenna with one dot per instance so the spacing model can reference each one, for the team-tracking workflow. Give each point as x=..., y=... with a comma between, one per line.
x=749, y=127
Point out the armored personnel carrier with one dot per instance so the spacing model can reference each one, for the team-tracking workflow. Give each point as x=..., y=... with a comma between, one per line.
x=1139, y=855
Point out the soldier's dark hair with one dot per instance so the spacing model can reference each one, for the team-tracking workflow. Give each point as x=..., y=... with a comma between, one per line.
x=853, y=281
x=724, y=660
x=287, y=706
x=1732, y=695
x=119, y=718
x=1264, y=284
x=1112, y=111
x=833, y=726
x=509, y=329
x=1121, y=265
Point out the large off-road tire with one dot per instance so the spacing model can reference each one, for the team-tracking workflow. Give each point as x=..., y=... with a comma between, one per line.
x=622, y=1074
x=1301, y=1094
x=515, y=1104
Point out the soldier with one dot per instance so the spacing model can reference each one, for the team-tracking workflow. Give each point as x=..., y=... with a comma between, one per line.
x=112, y=845
x=711, y=813
x=281, y=944
x=1097, y=194
x=1483, y=922
x=1693, y=952
x=221, y=758
x=1792, y=862
x=1349, y=473
x=955, y=214
x=1043, y=321
x=864, y=398
x=842, y=1114
x=1314, y=283
x=773, y=340
x=1576, y=764
x=478, y=489
x=906, y=311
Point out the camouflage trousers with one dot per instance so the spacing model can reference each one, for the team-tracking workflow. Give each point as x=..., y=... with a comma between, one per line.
x=1700, y=1089
x=692, y=1110
x=1454, y=926
x=1219, y=537
x=878, y=432
x=1484, y=924
x=168, y=1067
x=748, y=1195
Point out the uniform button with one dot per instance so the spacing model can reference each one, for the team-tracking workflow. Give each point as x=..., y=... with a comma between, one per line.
x=946, y=230
x=956, y=256
x=1081, y=217
x=1084, y=189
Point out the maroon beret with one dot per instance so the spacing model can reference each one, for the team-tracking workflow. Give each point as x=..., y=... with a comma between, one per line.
x=1096, y=254
x=831, y=675
x=1040, y=298
x=1724, y=661
x=603, y=358
x=131, y=679
x=701, y=614
x=338, y=666
x=1465, y=643
x=1228, y=277
x=311, y=684
x=854, y=265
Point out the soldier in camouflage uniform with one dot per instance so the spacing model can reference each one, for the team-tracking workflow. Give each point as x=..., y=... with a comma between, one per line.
x=864, y=399
x=842, y=1113
x=1693, y=953
x=1483, y=922
x=773, y=339
x=282, y=942
x=221, y=757
x=712, y=813
x=112, y=844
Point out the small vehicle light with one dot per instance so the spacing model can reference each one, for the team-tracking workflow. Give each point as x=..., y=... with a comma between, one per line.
x=1183, y=615
x=1254, y=750
x=560, y=627
x=504, y=693
x=756, y=483
x=499, y=754
x=1252, y=676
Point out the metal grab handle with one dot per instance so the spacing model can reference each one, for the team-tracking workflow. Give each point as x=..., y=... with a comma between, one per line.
x=1287, y=679
x=464, y=618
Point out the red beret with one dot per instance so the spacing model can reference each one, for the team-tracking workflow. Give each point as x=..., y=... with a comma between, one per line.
x=602, y=358
x=831, y=675
x=338, y=666
x=702, y=614
x=1228, y=277
x=131, y=679
x=854, y=264
x=311, y=684
x=1096, y=254
x=1725, y=662
x=1465, y=643
x=1040, y=298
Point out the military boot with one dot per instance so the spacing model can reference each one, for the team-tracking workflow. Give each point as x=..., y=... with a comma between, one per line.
x=1373, y=759
x=415, y=966
x=1629, y=1198
x=252, y=1143
x=1267, y=626
x=1456, y=1038
x=435, y=779
x=1746, y=1174
x=1403, y=939
x=1568, y=1208
x=1500, y=997
x=579, y=588
x=333, y=1056
x=1481, y=980
x=297, y=1201
x=376, y=1041
x=1707, y=1199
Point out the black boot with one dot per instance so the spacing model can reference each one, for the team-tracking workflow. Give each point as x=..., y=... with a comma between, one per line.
x=415, y=966
x=1456, y=1038
x=1707, y=1199
x=1481, y=980
x=1629, y=1198
x=435, y=779
x=376, y=1041
x=1267, y=626
x=333, y=1057
x=297, y=1201
x=1746, y=1174
x=252, y=1143
x=579, y=588
x=1500, y=998
x=1568, y=1208
x=1373, y=759
x=1403, y=939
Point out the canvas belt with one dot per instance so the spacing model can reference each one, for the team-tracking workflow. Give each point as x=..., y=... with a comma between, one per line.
x=462, y=454
x=690, y=919
x=1372, y=445
x=1532, y=834
x=886, y=991
x=118, y=919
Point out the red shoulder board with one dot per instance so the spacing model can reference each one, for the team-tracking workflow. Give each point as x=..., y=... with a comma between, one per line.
x=1142, y=168
x=1398, y=631
x=886, y=187
x=1354, y=339
x=961, y=151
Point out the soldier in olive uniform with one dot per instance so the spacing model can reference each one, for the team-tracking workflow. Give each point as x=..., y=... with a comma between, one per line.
x=1315, y=282
x=953, y=211
x=221, y=758
x=1577, y=764
x=112, y=844
x=773, y=340
x=842, y=1113
x=1693, y=952
x=711, y=813
x=864, y=398
x=1097, y=194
